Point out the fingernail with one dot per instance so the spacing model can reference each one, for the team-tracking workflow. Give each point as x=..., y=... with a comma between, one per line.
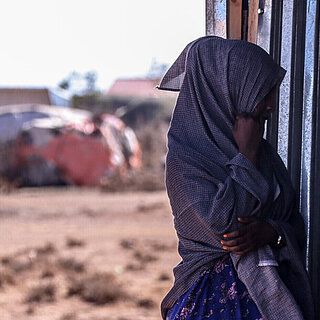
x=225, y=248
x=222, y=242
x=225, y=236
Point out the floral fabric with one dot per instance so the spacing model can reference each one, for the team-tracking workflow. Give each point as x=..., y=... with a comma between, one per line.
x=217, y=294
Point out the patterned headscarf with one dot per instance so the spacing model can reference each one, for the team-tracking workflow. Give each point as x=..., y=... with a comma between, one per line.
x=209, y=183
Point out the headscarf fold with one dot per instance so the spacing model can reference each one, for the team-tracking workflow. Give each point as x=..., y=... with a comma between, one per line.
x=210, y=184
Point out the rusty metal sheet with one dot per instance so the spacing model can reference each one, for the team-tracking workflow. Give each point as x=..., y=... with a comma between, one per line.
x=235, y=18
x=253, y=21
x=216, y=18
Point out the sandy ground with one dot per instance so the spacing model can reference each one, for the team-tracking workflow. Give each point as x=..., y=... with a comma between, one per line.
x=52, y=239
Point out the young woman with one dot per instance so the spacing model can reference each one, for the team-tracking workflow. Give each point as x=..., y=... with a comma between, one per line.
x=240, y=234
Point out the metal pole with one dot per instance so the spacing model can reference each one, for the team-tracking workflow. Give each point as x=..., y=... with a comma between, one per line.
x=314, y=249
x=275, y=51
x=296, y=93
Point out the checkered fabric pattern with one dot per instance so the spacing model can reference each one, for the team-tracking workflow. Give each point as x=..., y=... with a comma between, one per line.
x=210, y=184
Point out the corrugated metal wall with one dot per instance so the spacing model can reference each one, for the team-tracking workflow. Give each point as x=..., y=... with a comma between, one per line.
x=289, y=31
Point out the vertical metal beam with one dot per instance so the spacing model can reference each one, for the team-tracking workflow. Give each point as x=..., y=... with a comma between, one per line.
x=296, y=93
x=276, y=35
x=209, y=17
x=310, y=66
x=314, y=248
x=265, y=24
x=216, y=13
x=244, y=27
x=275, y=52
x=284, y=94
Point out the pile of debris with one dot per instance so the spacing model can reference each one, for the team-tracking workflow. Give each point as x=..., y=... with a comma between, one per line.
x=46, y=145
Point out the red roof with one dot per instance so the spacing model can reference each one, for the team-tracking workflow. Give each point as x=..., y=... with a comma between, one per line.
x=135, y=87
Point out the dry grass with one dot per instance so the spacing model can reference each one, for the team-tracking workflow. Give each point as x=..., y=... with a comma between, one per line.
x=159, y=246
x=73, y=242
x=150, y=207
x=26, y=259
x=98, y=288
x=75, y=287
x=101, y=289
x=47, y=249
x=6, y=278
x=164, y=277
x=7, y=186
x=5, y=260
x=48, y=273
x=69, y=316
x=128, y=243
x=141, y=180
x=146, y=303
x=71, y=264
x=152, y=138
x=42, y=293
x=144, y=257
x=42, y=267
x=135, y=267
x=19, y=265
x=140, y=252
x=30, y=310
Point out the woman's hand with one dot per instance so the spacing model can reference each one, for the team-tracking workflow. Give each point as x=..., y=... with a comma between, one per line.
x=253, y=235
x=248, y=133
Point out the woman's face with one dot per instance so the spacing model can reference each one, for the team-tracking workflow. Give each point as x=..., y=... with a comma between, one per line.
x=266, y=106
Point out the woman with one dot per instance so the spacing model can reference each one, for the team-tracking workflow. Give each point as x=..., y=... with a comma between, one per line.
x=240, y=233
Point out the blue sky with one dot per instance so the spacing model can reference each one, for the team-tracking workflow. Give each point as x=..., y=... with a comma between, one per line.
x=42, y=41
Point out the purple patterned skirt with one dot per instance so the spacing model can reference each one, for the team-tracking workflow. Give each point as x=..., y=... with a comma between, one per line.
x=217, y=294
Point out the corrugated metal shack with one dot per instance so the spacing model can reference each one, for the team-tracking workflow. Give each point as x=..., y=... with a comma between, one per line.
x=15, y=96
x=289, y=31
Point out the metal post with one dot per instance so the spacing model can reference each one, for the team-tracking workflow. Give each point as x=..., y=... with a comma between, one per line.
x=314, y=249
x=275, y=51
x=216, y=18
x=296, y=93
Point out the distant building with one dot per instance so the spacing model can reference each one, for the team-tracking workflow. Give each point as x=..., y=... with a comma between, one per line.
x=15, y=96
x=137, y=87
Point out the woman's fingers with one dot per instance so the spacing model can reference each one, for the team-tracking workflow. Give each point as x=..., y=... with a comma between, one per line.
x=241, y=240
x=254, y=234
x=238, y=245
x=247, y=220
x=235, y=234
x=240, y=232
x=234, y=242
x=240, y=249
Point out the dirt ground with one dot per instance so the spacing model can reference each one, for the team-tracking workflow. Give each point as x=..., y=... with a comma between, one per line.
x=83, y=254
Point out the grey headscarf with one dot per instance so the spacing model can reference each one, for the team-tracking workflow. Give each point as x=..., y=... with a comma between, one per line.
x=210, y=184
